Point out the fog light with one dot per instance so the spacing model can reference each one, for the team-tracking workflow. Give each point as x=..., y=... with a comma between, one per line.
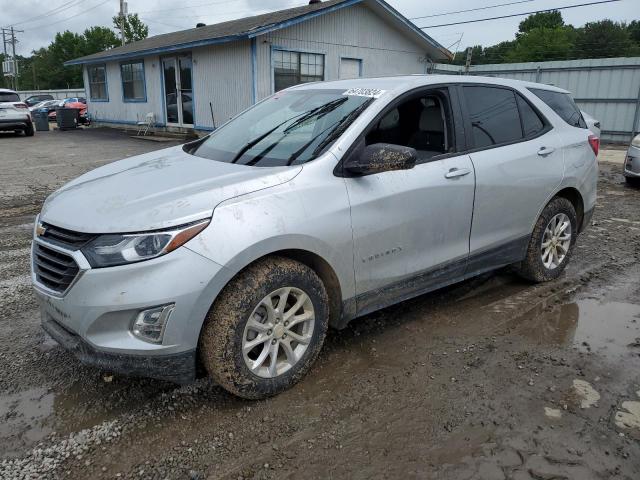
x=150, y=324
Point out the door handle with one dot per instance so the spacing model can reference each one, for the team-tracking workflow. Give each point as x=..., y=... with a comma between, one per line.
x=544, y=151
x=457, y=172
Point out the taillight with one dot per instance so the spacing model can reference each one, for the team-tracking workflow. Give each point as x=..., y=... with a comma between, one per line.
x=594, y=142
x=20, y=105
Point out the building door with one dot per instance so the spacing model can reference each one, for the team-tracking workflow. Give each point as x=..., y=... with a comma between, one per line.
x=350, y=68
x=178, y=90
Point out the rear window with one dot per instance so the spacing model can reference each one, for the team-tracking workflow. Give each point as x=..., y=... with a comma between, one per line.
x=563, y=105
x=9, y=97
x=494, y=115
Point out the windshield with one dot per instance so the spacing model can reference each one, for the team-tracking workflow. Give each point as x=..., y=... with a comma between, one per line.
x=289, y=128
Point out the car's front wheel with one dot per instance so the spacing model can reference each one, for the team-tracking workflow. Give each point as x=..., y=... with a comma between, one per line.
x=266, y=328
x=552, y=242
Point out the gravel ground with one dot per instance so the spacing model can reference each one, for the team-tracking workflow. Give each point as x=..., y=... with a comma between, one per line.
x=493, y=378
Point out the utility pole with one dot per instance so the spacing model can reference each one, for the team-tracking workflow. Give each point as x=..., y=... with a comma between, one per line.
x=15, y=61
x=467, y=64
x=123, y=19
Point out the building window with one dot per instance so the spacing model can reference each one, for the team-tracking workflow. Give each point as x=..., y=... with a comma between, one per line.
x=98, y=83
x=292, y=68
x=133, y=88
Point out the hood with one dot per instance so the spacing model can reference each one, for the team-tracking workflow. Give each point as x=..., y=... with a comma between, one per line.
x=156, y=190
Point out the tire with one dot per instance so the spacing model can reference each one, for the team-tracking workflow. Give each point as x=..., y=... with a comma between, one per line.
x=533, y=267
x=633, y=181
x=29, y=131
x=227, y=328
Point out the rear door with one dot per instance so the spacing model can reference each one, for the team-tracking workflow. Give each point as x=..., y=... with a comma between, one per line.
x=518, y=162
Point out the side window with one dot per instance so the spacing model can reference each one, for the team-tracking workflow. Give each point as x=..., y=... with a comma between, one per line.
x=563, y=105
x=532, y=124
x=494, y=115
x=423, y=122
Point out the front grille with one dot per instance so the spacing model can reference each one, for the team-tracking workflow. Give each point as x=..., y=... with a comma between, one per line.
x=53, y=269
x=66, y=238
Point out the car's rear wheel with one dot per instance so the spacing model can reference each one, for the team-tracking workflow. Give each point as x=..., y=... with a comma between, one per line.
x=633, y=181
x=266, y=328
x=552, y=242
x=29, y=131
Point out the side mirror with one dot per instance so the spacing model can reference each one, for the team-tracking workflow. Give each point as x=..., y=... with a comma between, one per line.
x=381, y=157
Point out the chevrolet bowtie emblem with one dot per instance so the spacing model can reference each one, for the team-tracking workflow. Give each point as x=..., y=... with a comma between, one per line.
x=40, y=229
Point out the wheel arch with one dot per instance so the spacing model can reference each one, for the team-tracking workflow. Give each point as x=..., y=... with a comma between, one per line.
x=575, y=197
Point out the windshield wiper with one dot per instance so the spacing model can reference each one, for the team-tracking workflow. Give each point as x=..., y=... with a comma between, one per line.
x=256, y=141
x=318, y=111
x=341, y=126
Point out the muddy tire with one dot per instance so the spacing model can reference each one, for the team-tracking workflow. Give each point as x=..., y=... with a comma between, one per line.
x=633, y=181
x=29, y=131
x=265, y=329
x=552, y=242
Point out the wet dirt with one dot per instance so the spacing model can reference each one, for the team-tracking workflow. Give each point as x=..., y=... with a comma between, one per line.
x=486, y=379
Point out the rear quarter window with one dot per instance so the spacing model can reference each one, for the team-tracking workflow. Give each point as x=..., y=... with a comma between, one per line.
x=563, y=105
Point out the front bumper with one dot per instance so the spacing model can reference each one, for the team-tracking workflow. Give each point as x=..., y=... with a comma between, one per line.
x=177, y=368
x=94, y=317
x=632, y=163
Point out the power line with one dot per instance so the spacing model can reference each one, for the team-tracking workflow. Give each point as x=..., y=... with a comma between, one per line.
x=471, y=9
x=520, y=14
x=54, y=11
x=72, y=16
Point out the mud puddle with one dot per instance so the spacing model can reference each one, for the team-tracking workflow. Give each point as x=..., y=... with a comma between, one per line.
x=608, y=328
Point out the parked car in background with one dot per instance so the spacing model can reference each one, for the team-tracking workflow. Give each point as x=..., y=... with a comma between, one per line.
x=33, y=99
x=83, y=118
x=632, y=163
x=320, y=204
x=46, y=105
x=592, y=123
x=14, y=114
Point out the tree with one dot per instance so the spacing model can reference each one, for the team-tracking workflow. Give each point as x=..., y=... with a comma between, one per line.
x=134, y=28
x=551, y=19
x=98, y=39
x=541, y=44
x=604, y=39
x=634, y=31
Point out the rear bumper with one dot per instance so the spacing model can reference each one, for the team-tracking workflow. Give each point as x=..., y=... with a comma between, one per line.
x=177, y=368
x=14, y=123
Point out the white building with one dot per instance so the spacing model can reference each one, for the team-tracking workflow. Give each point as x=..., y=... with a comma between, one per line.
x=198, y=78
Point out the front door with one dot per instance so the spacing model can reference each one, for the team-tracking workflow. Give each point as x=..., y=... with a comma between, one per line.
x=411, y=227
x=178, y=90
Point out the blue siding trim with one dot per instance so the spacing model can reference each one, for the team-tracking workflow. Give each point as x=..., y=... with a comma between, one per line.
x=254, y=70
x=162, y=92
x=144, y=82
x=202, y=127
x=409, y=24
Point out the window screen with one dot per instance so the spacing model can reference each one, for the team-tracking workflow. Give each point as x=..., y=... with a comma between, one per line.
x=563, y=105
x=133, y=81
x=292, y=68
x=532, y=124
x=98, y=83
x=494, y=115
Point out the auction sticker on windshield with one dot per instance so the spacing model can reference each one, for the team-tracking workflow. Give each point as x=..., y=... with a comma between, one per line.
x=364, y=92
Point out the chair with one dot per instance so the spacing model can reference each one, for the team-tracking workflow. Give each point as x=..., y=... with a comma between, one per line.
x=145, y=125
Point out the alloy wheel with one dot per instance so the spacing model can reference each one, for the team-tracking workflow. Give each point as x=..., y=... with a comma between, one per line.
x=278, y=332
x=556, y=241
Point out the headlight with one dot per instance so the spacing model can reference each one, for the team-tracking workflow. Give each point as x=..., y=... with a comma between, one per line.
x=118, y=249
x=636, y=141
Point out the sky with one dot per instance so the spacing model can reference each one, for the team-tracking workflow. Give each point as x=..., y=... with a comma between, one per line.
x=41, y=20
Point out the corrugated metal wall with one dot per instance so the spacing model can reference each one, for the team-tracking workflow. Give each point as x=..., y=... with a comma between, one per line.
x=354, y=32
x=606, y=88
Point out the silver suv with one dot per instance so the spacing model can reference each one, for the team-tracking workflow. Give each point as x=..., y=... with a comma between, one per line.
x=14, y=114
x=320, y=204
